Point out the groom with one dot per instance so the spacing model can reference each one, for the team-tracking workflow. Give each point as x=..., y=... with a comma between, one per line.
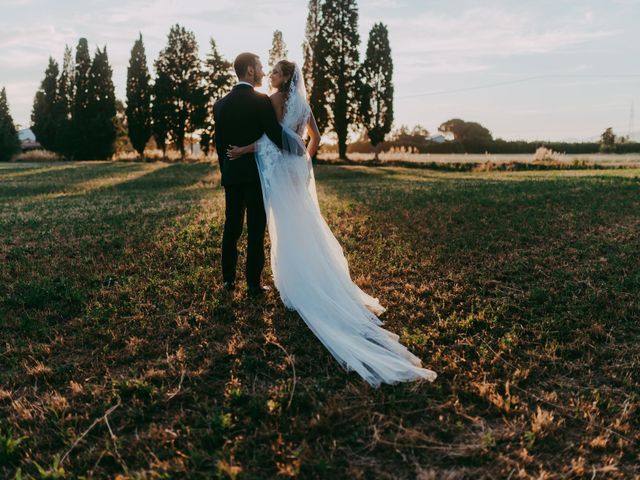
x=241, y=118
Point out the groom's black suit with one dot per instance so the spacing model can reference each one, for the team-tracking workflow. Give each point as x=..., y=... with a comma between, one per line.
x=241, y=118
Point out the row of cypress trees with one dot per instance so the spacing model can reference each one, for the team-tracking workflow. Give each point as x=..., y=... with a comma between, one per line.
x=345, y=94
x=74, y=109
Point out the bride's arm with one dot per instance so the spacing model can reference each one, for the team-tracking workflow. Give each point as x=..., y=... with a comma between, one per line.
x=314, y=136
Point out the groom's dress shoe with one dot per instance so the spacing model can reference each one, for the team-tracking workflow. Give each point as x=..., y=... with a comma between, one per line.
x=229, y=286
x=256, y=290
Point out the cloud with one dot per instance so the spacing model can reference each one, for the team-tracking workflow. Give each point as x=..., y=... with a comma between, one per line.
x=487, y=32
x=477, y=39
x=39, y=37
x=408, y=62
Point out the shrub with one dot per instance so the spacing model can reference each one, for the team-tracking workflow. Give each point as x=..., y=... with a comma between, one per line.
x=546, y=155
x=38, y=156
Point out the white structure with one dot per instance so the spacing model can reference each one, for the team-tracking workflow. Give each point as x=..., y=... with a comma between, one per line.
x=437, y=138
x=28, y=140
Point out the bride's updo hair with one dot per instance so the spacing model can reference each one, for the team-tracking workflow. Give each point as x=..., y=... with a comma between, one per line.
x=288, y=68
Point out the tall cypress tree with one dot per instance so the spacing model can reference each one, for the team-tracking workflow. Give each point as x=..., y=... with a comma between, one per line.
x=9, y=142
x=138, y=98
x=312, y=69
x=43, y=116
x=336, y=75
x=161, y=109
x=101, y=107
x=278, y=49
x=376, y=107
x=219, y=79
x=81, y=119
x=65, y=103
x=309, y=44
x=180, y=63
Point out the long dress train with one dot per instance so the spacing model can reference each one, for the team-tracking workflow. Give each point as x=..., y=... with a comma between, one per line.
x=311, y=272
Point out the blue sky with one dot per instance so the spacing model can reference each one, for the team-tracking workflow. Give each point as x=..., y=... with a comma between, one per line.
x=546, y=69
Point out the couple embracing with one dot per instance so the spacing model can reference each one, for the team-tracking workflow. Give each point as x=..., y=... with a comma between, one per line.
x=267, y=175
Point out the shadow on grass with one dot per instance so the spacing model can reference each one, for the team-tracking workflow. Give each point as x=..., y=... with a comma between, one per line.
x=60, y=262
x=553, y=253
x=513, y=166
x=205, y=386
x=59, y=180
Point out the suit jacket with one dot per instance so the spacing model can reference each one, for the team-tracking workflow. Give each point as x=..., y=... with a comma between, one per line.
x=242, y=117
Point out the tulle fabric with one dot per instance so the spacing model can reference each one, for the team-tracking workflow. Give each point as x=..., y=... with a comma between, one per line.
x=310, y=270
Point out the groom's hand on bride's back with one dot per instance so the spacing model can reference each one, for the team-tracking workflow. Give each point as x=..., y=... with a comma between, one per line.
x=234, y=152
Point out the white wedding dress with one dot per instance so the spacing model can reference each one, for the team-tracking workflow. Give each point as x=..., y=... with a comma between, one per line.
x=309, y=267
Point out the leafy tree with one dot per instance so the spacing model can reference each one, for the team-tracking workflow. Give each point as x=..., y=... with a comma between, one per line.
x=81, y=119
x=219, y=78
x=405, y=134
x=278, y=49
x=180, y=65
x=9, y=141
x=608, y=141
x=101, y=108
x=472, y=135
x=377, y=86
x=336, y=75
x=412, y=139
x=608, y=138
x=45, y=125
x=138, y=109
x=455, y=127
x=309, y=45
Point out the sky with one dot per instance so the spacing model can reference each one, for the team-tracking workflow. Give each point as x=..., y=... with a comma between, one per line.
x=544, y=69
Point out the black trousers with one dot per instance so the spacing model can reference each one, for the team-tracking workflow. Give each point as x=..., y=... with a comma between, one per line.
x=238, y=200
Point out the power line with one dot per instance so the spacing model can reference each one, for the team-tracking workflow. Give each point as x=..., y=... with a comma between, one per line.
x=511, y=82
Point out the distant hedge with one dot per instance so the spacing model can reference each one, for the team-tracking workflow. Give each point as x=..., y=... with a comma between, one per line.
x=496, y=146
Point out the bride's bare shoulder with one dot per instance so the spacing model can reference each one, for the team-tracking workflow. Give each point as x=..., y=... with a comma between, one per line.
x=277, y=98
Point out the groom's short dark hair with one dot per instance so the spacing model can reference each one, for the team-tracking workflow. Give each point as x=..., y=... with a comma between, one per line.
x=243, y=61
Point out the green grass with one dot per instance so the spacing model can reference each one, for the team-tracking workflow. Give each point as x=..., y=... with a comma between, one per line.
x=120, y=354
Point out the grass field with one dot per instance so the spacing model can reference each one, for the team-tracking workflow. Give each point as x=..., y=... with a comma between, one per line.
x=120, y=355
x=498, y=160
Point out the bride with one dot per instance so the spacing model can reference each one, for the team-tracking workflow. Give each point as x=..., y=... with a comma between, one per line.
x=309, y=267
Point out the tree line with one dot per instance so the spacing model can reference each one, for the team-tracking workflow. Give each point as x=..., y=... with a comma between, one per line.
x=74, y=110
x=75, y=107
x=344, y=94
x=461, y=136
